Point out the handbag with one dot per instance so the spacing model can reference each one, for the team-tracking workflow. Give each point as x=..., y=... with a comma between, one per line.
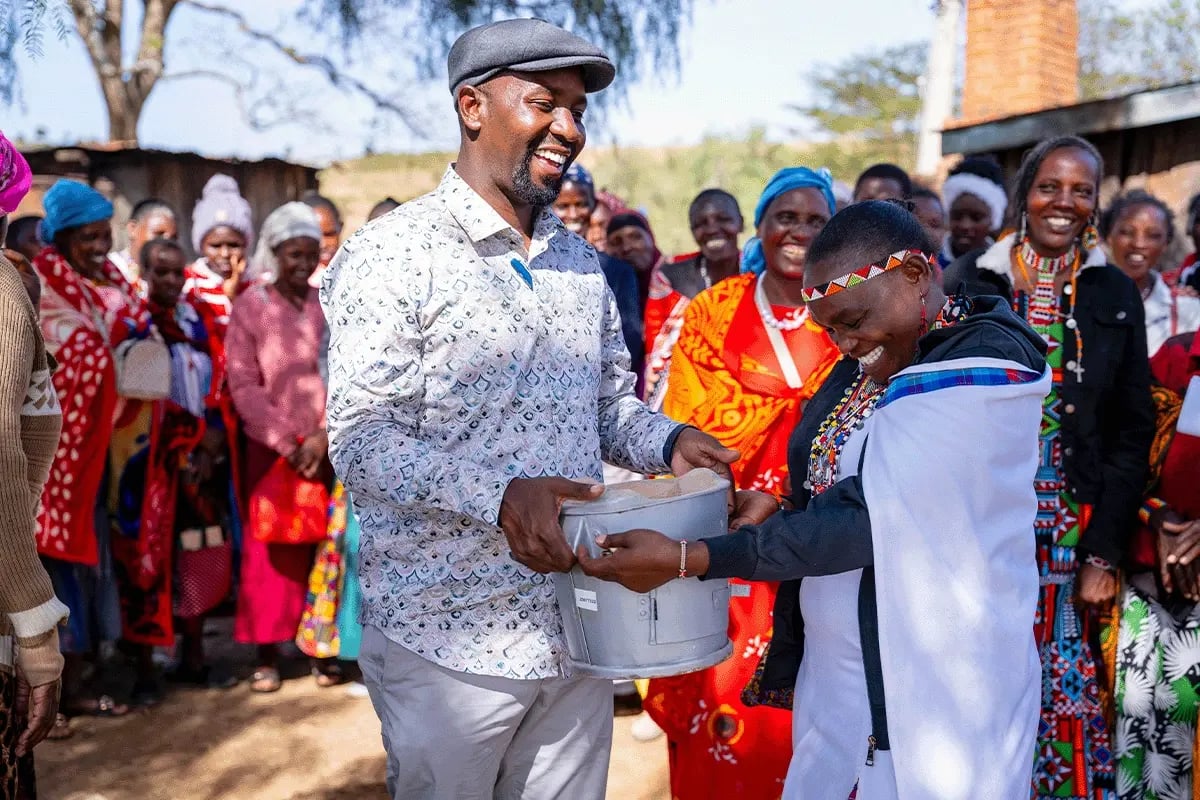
x=143, y=366
x=286, y=508
x=143, y=369
x=203, y=571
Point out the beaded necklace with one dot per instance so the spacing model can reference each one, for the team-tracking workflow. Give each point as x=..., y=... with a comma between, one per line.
x=704, y=273
x=791, y=321
x=851, y=413
x=857, y=405
x=1044, y=309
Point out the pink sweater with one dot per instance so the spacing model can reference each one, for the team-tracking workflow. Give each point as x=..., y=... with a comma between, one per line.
x=272, y=353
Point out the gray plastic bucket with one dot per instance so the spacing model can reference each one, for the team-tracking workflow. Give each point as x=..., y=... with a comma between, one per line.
x=679, y=627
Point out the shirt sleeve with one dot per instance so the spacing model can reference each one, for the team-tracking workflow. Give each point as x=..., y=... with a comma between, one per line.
x=26, y=596
x=262, y=419
x=631, y=435
x=832, y=535
x=377, y=393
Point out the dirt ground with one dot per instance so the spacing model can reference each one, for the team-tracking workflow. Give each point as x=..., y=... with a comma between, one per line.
x=301, y=743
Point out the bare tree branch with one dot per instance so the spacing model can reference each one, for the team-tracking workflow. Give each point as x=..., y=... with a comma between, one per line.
x=336, y=77
x=254, y=113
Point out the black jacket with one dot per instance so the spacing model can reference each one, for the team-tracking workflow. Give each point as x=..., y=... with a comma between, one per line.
x=833, y=532
x=1107, y=417
x=622, y=280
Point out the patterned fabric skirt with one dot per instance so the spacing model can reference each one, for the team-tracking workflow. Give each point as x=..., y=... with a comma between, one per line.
x=717, y=746
x=1074, y=759
x=1157, y=697
x=16, y=774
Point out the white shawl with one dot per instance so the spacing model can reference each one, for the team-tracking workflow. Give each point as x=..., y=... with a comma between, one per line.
x=948, y=478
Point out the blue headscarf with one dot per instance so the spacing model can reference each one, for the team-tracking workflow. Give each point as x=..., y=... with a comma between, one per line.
x=782, y=182
x=577, y=174
x=69, y=204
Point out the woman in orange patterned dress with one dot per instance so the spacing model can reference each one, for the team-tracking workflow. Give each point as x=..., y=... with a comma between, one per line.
x=747, y=360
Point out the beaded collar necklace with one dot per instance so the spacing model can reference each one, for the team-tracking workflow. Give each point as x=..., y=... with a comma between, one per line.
x=1042, y=295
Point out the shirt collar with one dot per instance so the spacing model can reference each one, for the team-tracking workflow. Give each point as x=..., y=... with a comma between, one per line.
x=997, y=257
x=481, y=221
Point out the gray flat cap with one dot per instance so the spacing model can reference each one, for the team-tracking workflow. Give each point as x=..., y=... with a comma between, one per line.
x=525, y=45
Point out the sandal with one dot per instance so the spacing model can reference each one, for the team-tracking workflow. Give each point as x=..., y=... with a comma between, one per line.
x=62, y=729
x=265, y=680
x=102, y=706
x=329, y=675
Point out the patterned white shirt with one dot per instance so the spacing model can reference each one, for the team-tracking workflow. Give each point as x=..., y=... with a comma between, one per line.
x=450, y=374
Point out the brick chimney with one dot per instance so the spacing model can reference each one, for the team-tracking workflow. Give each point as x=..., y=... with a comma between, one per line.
x=1021, y=57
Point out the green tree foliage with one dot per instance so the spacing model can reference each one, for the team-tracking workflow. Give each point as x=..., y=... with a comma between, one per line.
x=353, y=46
x=1125, y=49
x=864, y=109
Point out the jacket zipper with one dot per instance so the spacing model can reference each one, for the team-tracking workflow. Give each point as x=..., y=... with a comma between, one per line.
x=871, y=751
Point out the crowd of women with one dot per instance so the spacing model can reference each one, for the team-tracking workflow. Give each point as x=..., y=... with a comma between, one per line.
x=191, y=472
x=190, y=477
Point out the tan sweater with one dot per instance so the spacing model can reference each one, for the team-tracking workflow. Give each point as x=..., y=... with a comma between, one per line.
x=30, y=421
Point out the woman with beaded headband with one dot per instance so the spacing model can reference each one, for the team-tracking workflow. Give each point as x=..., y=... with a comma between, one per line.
x=903, y=628
x=1095, y=440
x=747, y=360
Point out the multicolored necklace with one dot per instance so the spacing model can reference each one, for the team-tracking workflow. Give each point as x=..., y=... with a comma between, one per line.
x=851, y=413
x=1045, y=309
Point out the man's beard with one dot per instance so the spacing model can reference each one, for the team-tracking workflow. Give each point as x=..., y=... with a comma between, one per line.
x=529, y=192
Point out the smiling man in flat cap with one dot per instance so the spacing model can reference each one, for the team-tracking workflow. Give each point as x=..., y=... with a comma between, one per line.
x=477, y=376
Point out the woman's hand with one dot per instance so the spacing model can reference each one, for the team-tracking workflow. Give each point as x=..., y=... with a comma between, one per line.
x=1181, y=566
x=1095, y=587
x=310, y=455
x=752, y=508
x=641, y=560
x=237, y=268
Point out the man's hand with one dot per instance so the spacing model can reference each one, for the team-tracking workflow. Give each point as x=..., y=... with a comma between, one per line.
x=1095, y=587
x=695, y=449
x=529, y=518
x=752, y=508
x=38, y=706
x=641, y=560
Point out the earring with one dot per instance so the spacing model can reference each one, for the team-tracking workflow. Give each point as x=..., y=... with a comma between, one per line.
x=924, y=316
x=1090, y=238
x=1021, y=232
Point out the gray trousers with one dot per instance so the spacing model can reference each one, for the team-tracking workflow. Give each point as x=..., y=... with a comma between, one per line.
x=457, y=736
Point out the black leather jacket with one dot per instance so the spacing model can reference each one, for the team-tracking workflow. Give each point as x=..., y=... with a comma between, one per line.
x=1108, y=416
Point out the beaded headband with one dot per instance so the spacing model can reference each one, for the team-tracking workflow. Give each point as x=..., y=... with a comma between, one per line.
x=860, y=275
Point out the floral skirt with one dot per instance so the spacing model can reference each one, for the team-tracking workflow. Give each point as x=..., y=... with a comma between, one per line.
x=716, y=745
x=1157, y=697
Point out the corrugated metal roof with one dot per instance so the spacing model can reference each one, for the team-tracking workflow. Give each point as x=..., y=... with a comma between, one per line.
x=1137, y=110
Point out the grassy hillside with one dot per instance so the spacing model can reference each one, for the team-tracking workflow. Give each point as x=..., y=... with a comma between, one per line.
x=661, y=181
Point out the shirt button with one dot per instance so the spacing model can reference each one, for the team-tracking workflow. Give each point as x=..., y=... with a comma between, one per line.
x=1069, y=408
x=1071, y=365
x=1068, y=451
x=1120, y=315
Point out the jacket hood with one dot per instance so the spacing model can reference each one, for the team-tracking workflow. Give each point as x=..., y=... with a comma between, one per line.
x=992, y=328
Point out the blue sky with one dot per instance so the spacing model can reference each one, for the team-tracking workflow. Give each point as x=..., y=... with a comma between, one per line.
x=742, y=62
